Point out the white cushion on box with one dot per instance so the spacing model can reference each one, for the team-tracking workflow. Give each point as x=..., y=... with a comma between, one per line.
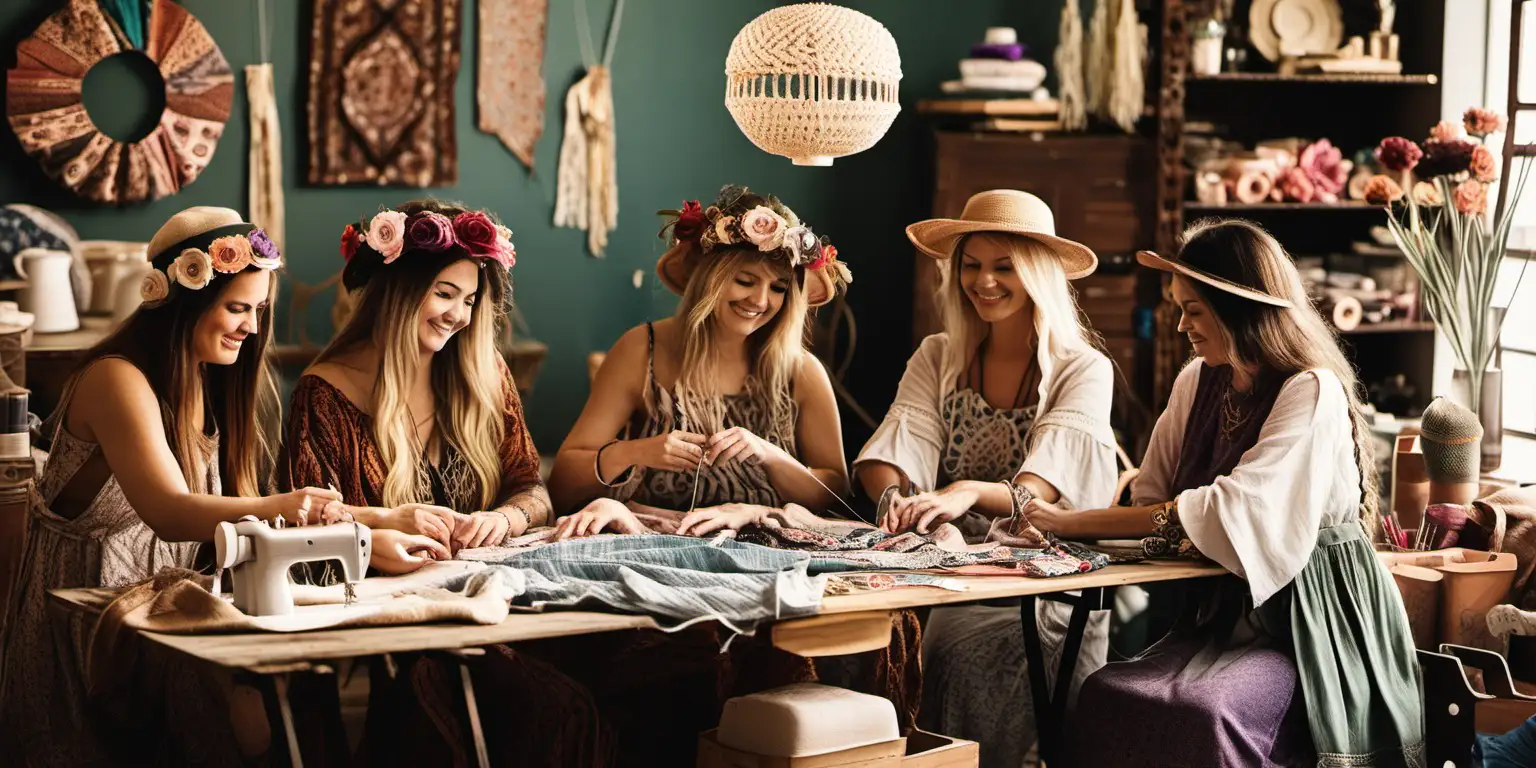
x=806, y=719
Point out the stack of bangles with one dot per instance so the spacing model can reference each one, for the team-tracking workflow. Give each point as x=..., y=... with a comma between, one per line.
x=1168, y=538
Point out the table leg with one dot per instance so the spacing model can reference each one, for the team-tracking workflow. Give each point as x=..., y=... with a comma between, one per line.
x=280, y=684
x=1051, y=707
x=482, y=753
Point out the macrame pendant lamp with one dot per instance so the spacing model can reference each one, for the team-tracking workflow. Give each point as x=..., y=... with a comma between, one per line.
x=813, y=82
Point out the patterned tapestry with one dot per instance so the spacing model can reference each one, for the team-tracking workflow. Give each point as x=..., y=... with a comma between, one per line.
x=510, y=82
x=381, y=75
x=43, y=102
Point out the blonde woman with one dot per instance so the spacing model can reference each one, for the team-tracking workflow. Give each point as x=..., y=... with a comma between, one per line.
x=717, y=416
x=159, y=436
x=1011, y=402
x=410, y=407
x=1262, y=463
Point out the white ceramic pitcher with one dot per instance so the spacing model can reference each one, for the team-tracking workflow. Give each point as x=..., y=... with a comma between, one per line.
x=48, y=294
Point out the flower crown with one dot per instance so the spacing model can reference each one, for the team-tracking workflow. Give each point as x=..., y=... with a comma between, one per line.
x=392, y=233
x=225, y=250
x=737, y=218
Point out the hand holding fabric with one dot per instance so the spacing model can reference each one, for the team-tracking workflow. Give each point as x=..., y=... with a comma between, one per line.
x=702, y=522
x=602, y=514
x=480, y=529
x=926, y=511
x=395, y=552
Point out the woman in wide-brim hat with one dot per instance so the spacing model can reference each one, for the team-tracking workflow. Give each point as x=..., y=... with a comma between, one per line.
x=1261, y=463
x=159, y=436
x=1010, y=402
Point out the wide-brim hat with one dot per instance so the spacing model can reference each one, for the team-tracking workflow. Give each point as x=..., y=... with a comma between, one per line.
x=676, y=266
x=188, y=224
x=1006, y=211
x=1154, y=261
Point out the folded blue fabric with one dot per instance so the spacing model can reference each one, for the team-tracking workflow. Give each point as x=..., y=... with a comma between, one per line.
x=1516, y=749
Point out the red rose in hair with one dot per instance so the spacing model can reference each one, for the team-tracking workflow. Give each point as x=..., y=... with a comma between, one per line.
x=828, y=255
x=690, y=221
x=476, y=233
x=350, y=241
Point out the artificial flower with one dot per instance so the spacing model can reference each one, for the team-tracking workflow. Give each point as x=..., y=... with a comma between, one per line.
x=476, y=232
x=1425, y=193
x=1295, y=185
x=193, y=269
x=155, y=287
x=1382, y=190
x=506, y=254
x=1445, y=158
x=723, y=229
x=350, y=241
x=230, y=254
x=386, y=234
x=1325, y=165
x=430, y=231
x=690, y=221
x=827, y=256
x=1471, y=197
x=1398, y=154
x=1445, y=130
x=763, y=228
x=801, y=244
x=1481, y=122
x=1484, y=167
x=264, y=253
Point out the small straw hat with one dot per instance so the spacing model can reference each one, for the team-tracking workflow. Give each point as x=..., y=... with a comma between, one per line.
x=1007, y=211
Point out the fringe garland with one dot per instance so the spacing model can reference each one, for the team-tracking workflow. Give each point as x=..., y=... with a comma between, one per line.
x=266, y=156
x=1069, y=68
x=1128, y=93
x=587, y=191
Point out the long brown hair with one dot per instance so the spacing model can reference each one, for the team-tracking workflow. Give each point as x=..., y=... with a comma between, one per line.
x=241, y=398
x=466, y=378
x=1276, y=340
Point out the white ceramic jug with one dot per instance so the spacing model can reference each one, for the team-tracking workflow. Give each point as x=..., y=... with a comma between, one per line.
x=125, y=290
x=48, y=294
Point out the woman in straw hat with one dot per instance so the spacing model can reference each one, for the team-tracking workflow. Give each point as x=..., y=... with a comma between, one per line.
x=1262, y=463
x=721, y=413
x=157, y=438
x=1011, y=402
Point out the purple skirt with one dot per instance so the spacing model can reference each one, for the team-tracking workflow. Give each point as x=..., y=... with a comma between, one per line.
x=1187, y=703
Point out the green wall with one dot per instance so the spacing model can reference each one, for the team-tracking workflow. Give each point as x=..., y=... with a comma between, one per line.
x=675, y=141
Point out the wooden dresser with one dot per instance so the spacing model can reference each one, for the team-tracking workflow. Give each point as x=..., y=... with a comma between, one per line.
x=1101, y=190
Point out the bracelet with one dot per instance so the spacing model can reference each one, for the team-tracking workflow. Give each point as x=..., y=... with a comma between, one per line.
x=887, y=498
x=597, y=468
x=1021, y=496
x=1168, y=538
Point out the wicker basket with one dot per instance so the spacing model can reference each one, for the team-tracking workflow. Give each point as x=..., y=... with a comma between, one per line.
x=813, y=82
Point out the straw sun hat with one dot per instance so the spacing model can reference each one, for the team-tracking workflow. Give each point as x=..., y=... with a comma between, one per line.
x=1007, y=211
x=1219, y=282
x=191, y=223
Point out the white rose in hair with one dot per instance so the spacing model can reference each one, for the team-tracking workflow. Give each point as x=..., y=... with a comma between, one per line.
x=764, y=228
x=194, y=269
x=155, y=288
x=802, y=244
x=386, y=234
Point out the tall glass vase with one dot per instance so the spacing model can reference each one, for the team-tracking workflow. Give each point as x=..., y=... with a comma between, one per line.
x=1489, y=410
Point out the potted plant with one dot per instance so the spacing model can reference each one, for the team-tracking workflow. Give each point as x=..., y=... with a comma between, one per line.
x=1437, y=209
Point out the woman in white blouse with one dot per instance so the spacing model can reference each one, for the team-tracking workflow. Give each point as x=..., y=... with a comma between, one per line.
x=1261, y=463
x=1010, y=403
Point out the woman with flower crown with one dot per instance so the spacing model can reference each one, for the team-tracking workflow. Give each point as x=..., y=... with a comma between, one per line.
x=158, y=437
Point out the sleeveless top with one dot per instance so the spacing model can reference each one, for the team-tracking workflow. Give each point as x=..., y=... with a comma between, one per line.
x=735, y=481
x=42, y=682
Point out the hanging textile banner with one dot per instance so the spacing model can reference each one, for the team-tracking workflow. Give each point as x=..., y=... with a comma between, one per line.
x=509, y=86
x=44, y=106
x=381, y=75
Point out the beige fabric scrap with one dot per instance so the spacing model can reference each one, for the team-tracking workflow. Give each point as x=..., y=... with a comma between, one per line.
x=510, y=87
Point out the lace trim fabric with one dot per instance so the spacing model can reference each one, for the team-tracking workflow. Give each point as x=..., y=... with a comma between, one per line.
x=984, y=443
x=1410, y=756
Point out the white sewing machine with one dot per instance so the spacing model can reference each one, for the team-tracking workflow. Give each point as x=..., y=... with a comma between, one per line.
x=260, y=556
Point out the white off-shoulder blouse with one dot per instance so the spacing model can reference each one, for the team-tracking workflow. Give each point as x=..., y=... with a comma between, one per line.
x=1069, y=442
x=1261, y=521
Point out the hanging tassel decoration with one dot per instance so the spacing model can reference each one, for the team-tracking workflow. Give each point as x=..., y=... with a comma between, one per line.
x=1128, y=94
x=587, y=189
x=1100, y=58
x=266, y=203
x=1069, y=69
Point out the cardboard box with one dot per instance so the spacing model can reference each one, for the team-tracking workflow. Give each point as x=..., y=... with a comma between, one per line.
x=918, y=750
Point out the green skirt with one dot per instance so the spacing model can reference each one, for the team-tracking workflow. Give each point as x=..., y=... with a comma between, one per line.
x=1359, y=675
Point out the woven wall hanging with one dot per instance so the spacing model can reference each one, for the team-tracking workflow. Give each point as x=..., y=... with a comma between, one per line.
x=813, y=82
x=43, y=101
x=509, y=87
x=381, y=76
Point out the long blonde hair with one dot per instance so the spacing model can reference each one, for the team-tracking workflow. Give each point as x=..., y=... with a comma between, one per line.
x=1059, y=330
x=467, y=379
x=1274, y=339
x=776, y=349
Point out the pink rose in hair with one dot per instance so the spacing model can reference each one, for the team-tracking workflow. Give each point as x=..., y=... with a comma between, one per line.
x=386, y=234
x=230, y=254
x=763, y=228
x=430, y=231
x=505, y=255
x=475, y=231
x=1471, y=197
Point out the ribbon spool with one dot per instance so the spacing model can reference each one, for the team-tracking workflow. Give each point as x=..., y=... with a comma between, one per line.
x=1346, y=313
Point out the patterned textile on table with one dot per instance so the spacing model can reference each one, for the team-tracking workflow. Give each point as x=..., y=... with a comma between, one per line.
x=44, y=103
x=839, y=546
x=510, y=80
x=381, y=83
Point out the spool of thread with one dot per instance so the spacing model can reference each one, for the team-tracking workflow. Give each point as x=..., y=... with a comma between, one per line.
x=1252, y=187
x=15, y=441
x=1445, y=522
x=1346, y=313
